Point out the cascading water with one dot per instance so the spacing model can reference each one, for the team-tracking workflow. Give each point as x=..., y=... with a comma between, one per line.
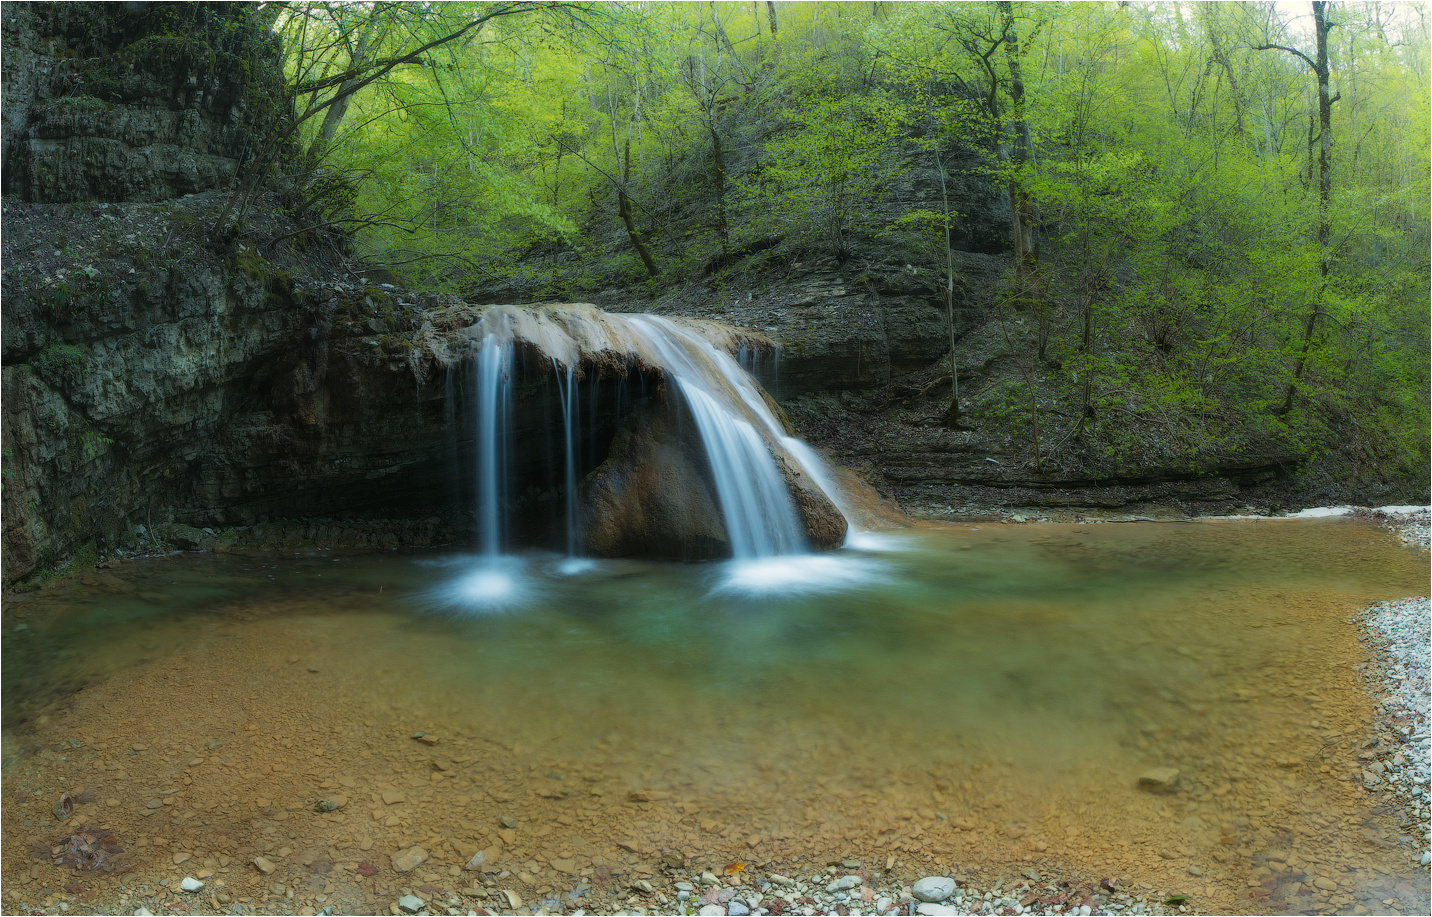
x=570, y=426
x=740, y=380
x=756, y=472
x=760, y=517
x=492, y=368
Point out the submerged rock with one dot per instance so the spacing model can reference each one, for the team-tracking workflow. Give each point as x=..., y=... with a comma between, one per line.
x=1159, y=779
x=410, y=859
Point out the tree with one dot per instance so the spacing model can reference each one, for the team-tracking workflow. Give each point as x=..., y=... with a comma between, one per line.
x=1321, y=68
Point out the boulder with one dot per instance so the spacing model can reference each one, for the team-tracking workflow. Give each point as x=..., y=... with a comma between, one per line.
x=653, y=495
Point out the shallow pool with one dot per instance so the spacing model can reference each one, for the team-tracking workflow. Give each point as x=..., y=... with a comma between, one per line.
x=985, y=698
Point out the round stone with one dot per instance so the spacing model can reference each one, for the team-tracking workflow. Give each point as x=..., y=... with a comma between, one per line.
x=934, y=888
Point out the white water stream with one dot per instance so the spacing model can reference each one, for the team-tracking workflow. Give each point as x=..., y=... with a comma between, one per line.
x=736, y=426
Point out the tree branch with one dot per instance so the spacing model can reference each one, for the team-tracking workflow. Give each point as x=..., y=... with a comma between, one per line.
x=1307, y=60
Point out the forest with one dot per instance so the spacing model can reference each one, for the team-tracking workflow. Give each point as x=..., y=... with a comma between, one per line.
x=1214, y=216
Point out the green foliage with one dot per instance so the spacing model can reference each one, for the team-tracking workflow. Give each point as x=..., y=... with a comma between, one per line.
x=249, y=263
x=60, y=360
x=1170, y=176
x=831, y=161
x=81, y=104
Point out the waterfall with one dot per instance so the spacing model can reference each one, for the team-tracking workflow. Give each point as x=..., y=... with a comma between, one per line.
x=760, y=516
x=570, y=427
x=758, y=474
x=492, y=368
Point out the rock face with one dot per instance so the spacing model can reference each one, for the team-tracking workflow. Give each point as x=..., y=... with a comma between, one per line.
x=135, y=101
x=156, y=391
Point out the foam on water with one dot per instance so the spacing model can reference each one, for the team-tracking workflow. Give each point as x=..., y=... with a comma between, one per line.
x=797, y=574
x=861, y=540
x=486, y=584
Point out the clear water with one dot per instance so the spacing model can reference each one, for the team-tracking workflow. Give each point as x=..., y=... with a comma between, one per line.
x=982, y=698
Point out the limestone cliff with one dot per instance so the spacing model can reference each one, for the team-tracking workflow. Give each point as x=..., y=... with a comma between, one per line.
x=135, y=101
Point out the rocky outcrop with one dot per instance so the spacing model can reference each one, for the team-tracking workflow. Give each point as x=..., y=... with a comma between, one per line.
x=152, y=376
x=135, y=101
x=147, y=382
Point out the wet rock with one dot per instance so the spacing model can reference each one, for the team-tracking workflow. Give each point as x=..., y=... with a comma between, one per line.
x=654, y=495
x=477, y=860
x=845, y=883
x=331, y=803
x=264, y=865
x=411, y=904
x=934, y=888
x=410, y=859
x=1159, y=779
x=185, y=536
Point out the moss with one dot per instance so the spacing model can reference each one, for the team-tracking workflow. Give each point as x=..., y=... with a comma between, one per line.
x=59, y=359
x=248, y=262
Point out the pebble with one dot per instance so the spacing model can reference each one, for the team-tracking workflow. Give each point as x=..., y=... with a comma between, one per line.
x=930, y=909
x=191, y=884
x=712, y=910
x=410, y=859
x=934, y=889
x=737, y=909
x=845, y=883
x=411, y=904
x=265, y=865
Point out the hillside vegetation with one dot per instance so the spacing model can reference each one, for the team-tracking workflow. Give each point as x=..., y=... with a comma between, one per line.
x=1209, y=217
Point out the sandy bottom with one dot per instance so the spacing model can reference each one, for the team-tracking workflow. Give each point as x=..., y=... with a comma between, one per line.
x=203, y=742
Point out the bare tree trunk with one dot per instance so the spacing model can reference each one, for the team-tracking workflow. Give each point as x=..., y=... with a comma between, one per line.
x=952, y=413
x=1026, y=251
x=1220, y=56
x=358, y=62
x=1322, y=70
x=771, y=13
x=624, y=210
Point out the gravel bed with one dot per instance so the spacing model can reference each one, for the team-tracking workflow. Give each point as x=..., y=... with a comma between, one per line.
x=1398, y=636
